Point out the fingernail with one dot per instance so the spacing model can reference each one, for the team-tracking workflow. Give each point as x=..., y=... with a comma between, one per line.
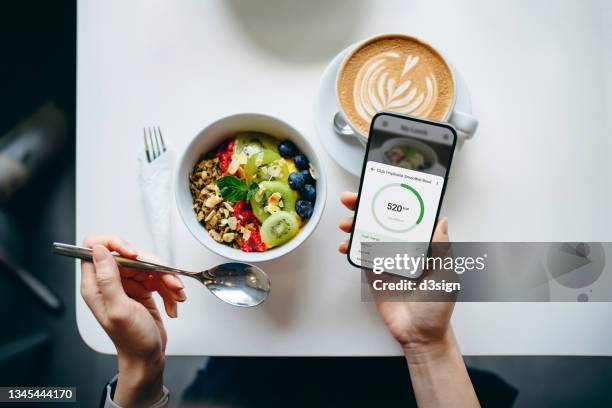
x=182, y=295
x=99, y=253
x=179, y=282
x=175, y=311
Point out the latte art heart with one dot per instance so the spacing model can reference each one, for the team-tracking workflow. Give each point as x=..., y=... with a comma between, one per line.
x=394, y=73
x=378, y=87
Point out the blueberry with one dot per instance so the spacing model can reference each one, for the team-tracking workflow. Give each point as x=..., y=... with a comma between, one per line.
x=287, y=149
x=301, y=162
x=296, y=181
x=307, y=177
x=304, y=208
x=309, y=193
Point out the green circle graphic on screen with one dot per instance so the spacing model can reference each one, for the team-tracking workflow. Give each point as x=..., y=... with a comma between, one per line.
x=397, y=207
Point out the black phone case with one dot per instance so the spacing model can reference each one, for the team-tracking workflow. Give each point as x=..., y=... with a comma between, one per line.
x=365, y=160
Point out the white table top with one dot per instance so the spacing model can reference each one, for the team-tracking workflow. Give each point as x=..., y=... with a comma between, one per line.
x=537, y=170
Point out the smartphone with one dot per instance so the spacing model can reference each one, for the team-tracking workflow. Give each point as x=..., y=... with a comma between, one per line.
x=403, y=180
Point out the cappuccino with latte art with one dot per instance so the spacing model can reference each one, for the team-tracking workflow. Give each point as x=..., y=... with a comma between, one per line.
x=394, y=73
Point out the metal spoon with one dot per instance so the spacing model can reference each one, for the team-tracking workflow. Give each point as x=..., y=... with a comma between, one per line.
x=341, y=127
x=238, y=284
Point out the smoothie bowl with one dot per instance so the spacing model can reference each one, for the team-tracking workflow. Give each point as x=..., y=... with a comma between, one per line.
x=250, y=187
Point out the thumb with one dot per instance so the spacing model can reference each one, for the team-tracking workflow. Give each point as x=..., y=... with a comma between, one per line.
x=107, y=275
x=441, y=233
x=440, y=245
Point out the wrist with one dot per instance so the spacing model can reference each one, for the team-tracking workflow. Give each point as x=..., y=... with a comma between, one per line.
x=139, y=382
x=419, y=353
x=438, y=373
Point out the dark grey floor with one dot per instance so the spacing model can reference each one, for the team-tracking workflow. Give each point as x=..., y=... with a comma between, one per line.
x=554, y=381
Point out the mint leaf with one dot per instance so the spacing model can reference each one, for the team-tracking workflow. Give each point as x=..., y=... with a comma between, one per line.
x=253, y=188
x=232, y=188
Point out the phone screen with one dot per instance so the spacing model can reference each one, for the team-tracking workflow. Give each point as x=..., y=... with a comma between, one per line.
x=402, y=184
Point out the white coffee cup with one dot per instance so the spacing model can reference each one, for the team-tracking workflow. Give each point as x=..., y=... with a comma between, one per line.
x=464, y=123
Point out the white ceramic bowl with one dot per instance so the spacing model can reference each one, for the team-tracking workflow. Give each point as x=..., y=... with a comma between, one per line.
x=212, y=136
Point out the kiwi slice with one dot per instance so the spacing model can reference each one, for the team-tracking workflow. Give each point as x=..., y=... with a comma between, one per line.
x=254, y=142
x=279, y=228
x=255, y=161
x=260, y=199
x=277, y=170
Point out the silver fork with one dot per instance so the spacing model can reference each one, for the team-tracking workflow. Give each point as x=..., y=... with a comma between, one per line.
x=154, y=143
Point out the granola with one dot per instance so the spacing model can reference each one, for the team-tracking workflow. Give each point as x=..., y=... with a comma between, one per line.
x=216, y=215
x=253, y=192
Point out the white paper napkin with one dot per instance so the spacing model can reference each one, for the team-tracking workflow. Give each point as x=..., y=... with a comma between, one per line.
x=155, y=180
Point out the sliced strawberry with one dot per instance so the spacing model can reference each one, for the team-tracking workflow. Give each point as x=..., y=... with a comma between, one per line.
x=258, y=244
x=244, y=214
x=254, y=243
x=225, y=155
x=247, y=217
x=238, y=207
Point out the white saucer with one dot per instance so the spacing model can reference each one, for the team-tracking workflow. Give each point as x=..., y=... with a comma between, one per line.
x=347, y=151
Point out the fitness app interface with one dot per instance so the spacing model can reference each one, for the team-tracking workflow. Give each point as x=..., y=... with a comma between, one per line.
x=402, y=185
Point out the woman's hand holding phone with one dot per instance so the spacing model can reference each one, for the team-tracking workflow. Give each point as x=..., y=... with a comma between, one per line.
x=419, y=327
x=423, y=331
